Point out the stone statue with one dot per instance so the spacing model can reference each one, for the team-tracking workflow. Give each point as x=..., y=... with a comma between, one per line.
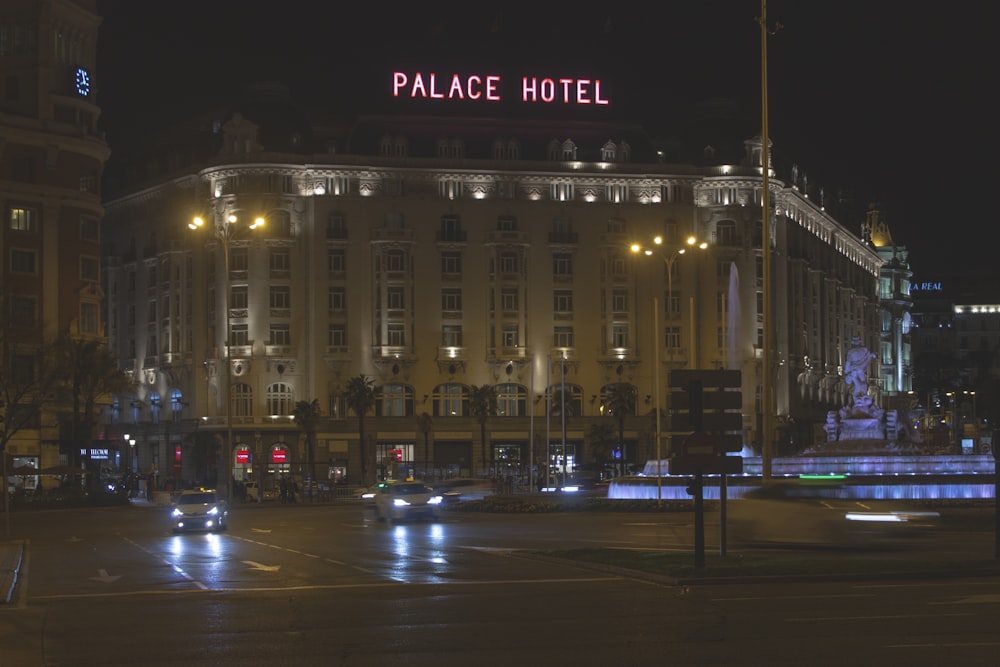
x=856, y=369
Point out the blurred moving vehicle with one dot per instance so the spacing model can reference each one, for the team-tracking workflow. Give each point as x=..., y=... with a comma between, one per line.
x=251, y=490
x=796, y=512
x=199, y=509
x=398, y=501
x=464, y=488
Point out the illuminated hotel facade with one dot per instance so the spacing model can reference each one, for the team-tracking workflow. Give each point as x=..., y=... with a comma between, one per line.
x=434, y=255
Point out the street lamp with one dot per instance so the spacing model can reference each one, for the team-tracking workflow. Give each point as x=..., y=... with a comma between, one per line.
x=225, y=230
x=669, y=258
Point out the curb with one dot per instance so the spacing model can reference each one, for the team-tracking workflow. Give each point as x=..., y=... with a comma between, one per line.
x=11, y=558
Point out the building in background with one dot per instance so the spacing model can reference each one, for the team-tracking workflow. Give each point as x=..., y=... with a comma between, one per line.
x=439, y=254
x=51, y=164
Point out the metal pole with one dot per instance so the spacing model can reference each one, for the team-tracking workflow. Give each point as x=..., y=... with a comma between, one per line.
x=228, y=396
x=656, y=392
x=767, y=451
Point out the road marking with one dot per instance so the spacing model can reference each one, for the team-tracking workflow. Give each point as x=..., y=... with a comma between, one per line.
x=260, y=530
x=260, y=566
x=105, y=578
x=795, y=597
x=869, y=618
x=166, y=562
x=984, y=598
x=330, y=587
x=942, y=645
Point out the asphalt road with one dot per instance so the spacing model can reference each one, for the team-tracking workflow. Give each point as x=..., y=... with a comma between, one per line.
x=328, y=585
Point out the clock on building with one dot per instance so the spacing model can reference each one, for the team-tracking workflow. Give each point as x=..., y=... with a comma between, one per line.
x=81, y=82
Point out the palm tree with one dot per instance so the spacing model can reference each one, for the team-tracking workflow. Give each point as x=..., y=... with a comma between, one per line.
x=360, y=397
x=425, y=424
x=306, y=415
x=602, y=441
x=483, y=404
x=620, y=402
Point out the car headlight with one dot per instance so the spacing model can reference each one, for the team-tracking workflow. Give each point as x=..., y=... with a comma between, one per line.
x=176, y=512
x=213, y=511
x=434, y=500
x=399, y=502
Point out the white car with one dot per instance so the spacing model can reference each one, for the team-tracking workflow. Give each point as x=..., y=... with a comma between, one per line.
x=398, y=501
x=199, y=509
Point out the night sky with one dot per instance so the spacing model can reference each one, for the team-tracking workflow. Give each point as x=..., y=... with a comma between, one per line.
x=880, y=100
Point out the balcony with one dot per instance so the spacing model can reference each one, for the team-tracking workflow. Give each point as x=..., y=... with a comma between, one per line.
x=392, y=234
x=501, y=236
x=564, y=237
x=452, y=236
x=446, y=353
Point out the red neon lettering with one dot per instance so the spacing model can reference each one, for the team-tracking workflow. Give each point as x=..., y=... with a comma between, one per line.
x=418, y=84
x=398, y=81
x=582, y=88
x=548, y=90
x=435, y=94
x=597, y=93
x=566, y=83
x=529, y=89
x=456, y=88
x=492, y=83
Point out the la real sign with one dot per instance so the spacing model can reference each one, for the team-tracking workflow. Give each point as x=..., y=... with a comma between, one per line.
x=493, y=88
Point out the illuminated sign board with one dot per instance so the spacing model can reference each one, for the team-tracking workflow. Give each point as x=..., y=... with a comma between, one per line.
x=926, y=287
x=279, y=455
x=242, y=457
x=489, y=88
x=96, y=454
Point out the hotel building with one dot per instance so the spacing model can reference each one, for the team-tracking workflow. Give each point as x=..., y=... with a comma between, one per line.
x=436, y=254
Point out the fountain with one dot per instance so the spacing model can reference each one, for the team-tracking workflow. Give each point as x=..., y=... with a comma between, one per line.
x=864, y=452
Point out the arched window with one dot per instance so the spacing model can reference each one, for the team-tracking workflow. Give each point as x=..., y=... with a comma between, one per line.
x=242, y=400
x=570, y=395
x=394, y=400
x=154, y=407
x=280, y=399
x=451, y=400
x=512, y=400
x=176, y=404
x=619, y=397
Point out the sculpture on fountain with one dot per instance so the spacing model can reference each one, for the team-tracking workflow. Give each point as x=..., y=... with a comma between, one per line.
x=862, y=419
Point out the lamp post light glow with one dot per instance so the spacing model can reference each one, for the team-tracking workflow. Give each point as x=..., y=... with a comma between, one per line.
x=225, y=231
x=669, y=258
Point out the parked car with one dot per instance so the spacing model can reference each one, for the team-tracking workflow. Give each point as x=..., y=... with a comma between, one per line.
x=795, y=512
x=250, y=491
x=199, y=509
x=397, y=501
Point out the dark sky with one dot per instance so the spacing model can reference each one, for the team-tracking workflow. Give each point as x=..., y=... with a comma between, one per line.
x=884, y=100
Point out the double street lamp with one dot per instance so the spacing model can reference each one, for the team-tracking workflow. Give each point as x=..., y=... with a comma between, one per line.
x=669, y=258
x=225, y=230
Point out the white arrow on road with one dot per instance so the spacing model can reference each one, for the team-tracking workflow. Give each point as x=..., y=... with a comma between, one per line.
x=105, y=578
x=262, y=567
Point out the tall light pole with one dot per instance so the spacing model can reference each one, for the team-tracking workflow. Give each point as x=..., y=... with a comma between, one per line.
x=766, y=381
x=225, y=230
x=668, y=259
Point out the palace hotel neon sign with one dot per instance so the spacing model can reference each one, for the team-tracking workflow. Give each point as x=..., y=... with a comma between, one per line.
x=490, y=88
